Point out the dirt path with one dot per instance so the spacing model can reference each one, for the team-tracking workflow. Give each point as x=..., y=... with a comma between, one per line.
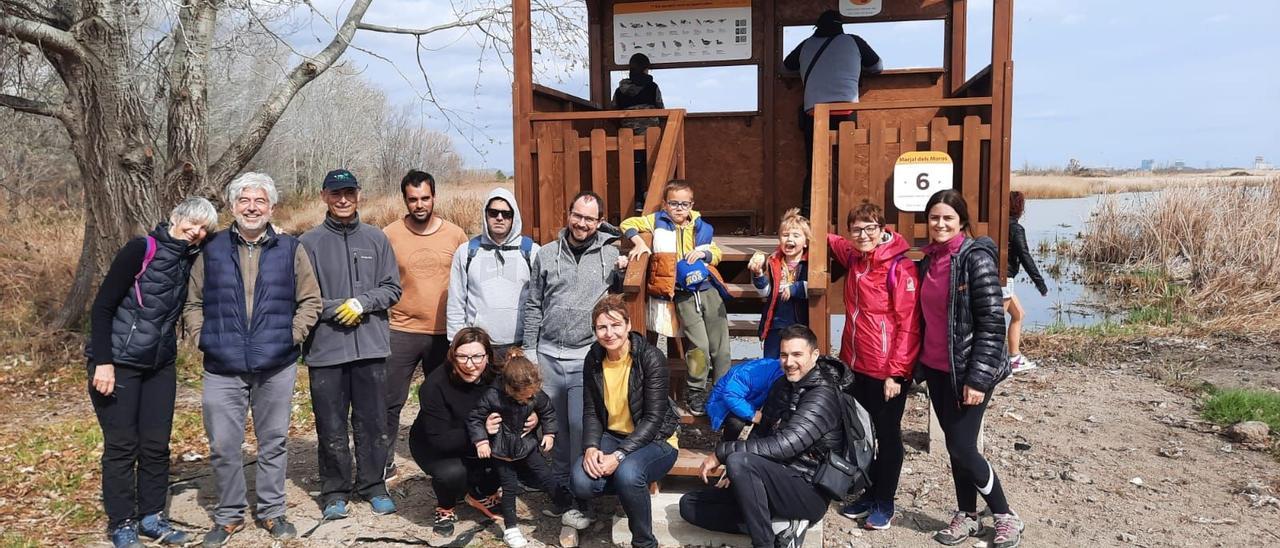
x=1105, y=427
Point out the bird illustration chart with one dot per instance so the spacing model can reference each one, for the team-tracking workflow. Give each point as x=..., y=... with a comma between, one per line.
x=682, y=31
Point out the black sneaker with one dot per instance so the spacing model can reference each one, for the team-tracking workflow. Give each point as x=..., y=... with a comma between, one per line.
x=792, y=536
x=697, y=402
x=444, y=522
x=220, y=534
x=279, y=528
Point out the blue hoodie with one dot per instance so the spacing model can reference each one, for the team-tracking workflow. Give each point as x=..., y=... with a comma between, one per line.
x=742, y=390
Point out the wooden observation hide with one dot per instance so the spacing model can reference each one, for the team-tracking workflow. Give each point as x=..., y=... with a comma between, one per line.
x=747, y=167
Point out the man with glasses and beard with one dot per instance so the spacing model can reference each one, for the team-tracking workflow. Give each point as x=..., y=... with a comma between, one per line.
x=424, y=244
x=489, y=280
x=569, y=276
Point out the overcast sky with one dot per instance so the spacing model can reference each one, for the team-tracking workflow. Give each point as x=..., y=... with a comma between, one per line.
x=1110, y=83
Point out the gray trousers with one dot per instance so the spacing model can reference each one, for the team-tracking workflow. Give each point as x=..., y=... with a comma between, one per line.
x=226, y=400
x=706, y=324
x=562, y=382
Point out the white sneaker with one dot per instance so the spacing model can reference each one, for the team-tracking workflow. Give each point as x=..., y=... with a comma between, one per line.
x=514, y=538
x=1020, y=363
x=790, y=534
x=576, y=519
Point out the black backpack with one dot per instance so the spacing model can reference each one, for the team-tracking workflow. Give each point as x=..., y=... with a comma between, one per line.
x=848, y=472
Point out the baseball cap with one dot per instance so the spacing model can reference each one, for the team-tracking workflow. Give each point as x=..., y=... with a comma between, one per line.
x=339, y=179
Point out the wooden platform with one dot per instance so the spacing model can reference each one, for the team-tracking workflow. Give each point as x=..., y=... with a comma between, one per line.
x=741, y=248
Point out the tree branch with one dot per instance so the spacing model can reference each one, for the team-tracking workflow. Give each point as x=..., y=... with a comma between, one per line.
x=41, y=35
x=28, y=106
x=247, y=144
x=437, y=28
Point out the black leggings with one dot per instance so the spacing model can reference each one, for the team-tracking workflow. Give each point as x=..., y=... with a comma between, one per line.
x=969, y=470
x=452, y=477
x=534, y=470
x=886, y=416
x=136, y=421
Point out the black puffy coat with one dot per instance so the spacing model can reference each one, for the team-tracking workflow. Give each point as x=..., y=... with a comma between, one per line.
x=1020, y=256
x=648, y=397
x=509, y=443
x=975, y=323
x=800, y=421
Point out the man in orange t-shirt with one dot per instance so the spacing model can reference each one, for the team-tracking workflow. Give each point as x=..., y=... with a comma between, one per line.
x=424, y=245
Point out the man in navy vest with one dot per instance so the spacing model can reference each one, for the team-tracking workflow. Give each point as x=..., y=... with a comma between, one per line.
x=251, y=302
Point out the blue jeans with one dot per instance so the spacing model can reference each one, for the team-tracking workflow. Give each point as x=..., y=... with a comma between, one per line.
x=630, y=482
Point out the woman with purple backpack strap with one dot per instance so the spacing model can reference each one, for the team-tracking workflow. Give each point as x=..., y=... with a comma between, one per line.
x=131, y=352
x=880, y=343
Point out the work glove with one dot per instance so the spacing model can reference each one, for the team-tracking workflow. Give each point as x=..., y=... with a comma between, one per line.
x=349, y=312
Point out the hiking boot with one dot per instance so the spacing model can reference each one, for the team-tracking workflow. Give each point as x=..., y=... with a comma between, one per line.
x=858, y=509
x=126, y=536
x=279, y=528
x=697, y=402
x=514, y=538
x=576, y=519
x=157, y=527
x=881, y=515
x=444, y=521
x=220, y=534
x=1020, y=363
x=963, y=525
x=791, y=533
x=485, y=505
x=1008, y=531
x=334, y=510
x=382, y=505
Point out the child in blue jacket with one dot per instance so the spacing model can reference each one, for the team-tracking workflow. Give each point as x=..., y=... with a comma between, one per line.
x=737, y=397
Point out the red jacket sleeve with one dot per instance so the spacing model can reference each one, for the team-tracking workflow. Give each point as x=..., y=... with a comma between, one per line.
x=841, y=249
x=905, y=313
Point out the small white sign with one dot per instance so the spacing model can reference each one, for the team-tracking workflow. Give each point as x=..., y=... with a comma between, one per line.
x=918, y=175
x=859, y=8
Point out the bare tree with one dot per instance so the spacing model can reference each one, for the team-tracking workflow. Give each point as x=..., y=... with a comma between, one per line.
x=99, y=49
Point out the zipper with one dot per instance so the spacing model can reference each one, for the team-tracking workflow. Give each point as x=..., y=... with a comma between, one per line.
x=133, y=327
x=351, y=279
x=884, y=339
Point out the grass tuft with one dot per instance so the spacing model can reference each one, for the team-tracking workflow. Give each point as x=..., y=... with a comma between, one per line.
x=1235, y=405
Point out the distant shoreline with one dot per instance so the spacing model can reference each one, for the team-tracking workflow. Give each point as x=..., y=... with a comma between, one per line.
x=1050, y=187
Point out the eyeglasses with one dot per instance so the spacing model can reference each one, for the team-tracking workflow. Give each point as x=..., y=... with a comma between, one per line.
x=679, y=205
x=476, y=358
x=864, y=231
x=503, y=213
x=583, y=218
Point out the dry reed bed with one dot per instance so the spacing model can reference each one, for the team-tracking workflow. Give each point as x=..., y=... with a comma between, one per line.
x=1212, y=252
x=1068, y=186
x=463, y=207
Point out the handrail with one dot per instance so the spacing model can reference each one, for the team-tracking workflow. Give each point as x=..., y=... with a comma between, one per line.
x=973, y=80
x=563, y=96
x=664, y=168
x=603, y=114
x=923, y=103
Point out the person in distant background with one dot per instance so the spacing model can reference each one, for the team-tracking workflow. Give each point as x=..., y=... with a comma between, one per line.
x=1019, y=256
x=638, y=91
x=831, y=64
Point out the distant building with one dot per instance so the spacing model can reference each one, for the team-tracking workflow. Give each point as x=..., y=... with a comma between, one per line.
x=1179, y=165
x=1147, y=165
x=1260, y=163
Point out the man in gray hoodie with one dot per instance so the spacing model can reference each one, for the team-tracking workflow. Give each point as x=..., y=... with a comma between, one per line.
x=569, y=276
x=347, y=351
x=489, y=278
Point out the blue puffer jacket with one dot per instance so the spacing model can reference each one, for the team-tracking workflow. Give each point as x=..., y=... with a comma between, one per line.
x=231, y=345
x=742, y=390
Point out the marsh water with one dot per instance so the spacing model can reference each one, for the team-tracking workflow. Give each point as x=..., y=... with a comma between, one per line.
x=1052, y=226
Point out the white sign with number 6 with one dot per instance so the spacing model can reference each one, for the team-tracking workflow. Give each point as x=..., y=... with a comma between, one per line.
x=918, y=175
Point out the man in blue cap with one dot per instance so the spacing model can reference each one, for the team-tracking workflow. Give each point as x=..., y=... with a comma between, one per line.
x=347, y=351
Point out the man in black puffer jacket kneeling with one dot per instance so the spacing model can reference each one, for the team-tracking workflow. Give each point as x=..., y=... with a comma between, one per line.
x=767, y=489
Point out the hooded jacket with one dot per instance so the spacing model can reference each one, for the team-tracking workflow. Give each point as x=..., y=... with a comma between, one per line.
x=351, y=260
x=975, y=317
x=557, y=312
x=742, y=391
x=800, y=421
x=1020, y=256
x=489, y=293
x=882, y=325
x=637, y=91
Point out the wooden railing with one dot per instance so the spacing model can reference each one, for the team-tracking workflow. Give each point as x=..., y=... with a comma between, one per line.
x=855, y=162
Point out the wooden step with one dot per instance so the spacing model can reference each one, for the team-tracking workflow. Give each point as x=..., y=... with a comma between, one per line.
x=741, y=248
x=688, y=462
x=744, y=328
x=689, y=419
x=742, y=291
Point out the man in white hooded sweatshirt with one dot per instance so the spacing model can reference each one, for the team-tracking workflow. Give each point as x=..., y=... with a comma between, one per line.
x=489, y=279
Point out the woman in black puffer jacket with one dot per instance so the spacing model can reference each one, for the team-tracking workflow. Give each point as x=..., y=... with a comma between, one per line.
x=962, y=358
x=628, y=419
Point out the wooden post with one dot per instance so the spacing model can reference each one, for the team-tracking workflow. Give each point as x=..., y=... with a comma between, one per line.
x=522, y=103
x=956, y=47
x=1001, y=118
x=819, y=311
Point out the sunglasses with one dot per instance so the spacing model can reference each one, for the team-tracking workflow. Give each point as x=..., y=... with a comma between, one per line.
x=503, y=213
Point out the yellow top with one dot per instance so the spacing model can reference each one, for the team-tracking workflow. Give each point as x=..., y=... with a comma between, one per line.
x=617, y=378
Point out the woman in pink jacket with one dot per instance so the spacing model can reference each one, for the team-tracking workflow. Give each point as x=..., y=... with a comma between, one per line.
x=880, y=343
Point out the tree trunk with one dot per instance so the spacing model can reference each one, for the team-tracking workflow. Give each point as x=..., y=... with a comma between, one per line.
x=188, y=120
